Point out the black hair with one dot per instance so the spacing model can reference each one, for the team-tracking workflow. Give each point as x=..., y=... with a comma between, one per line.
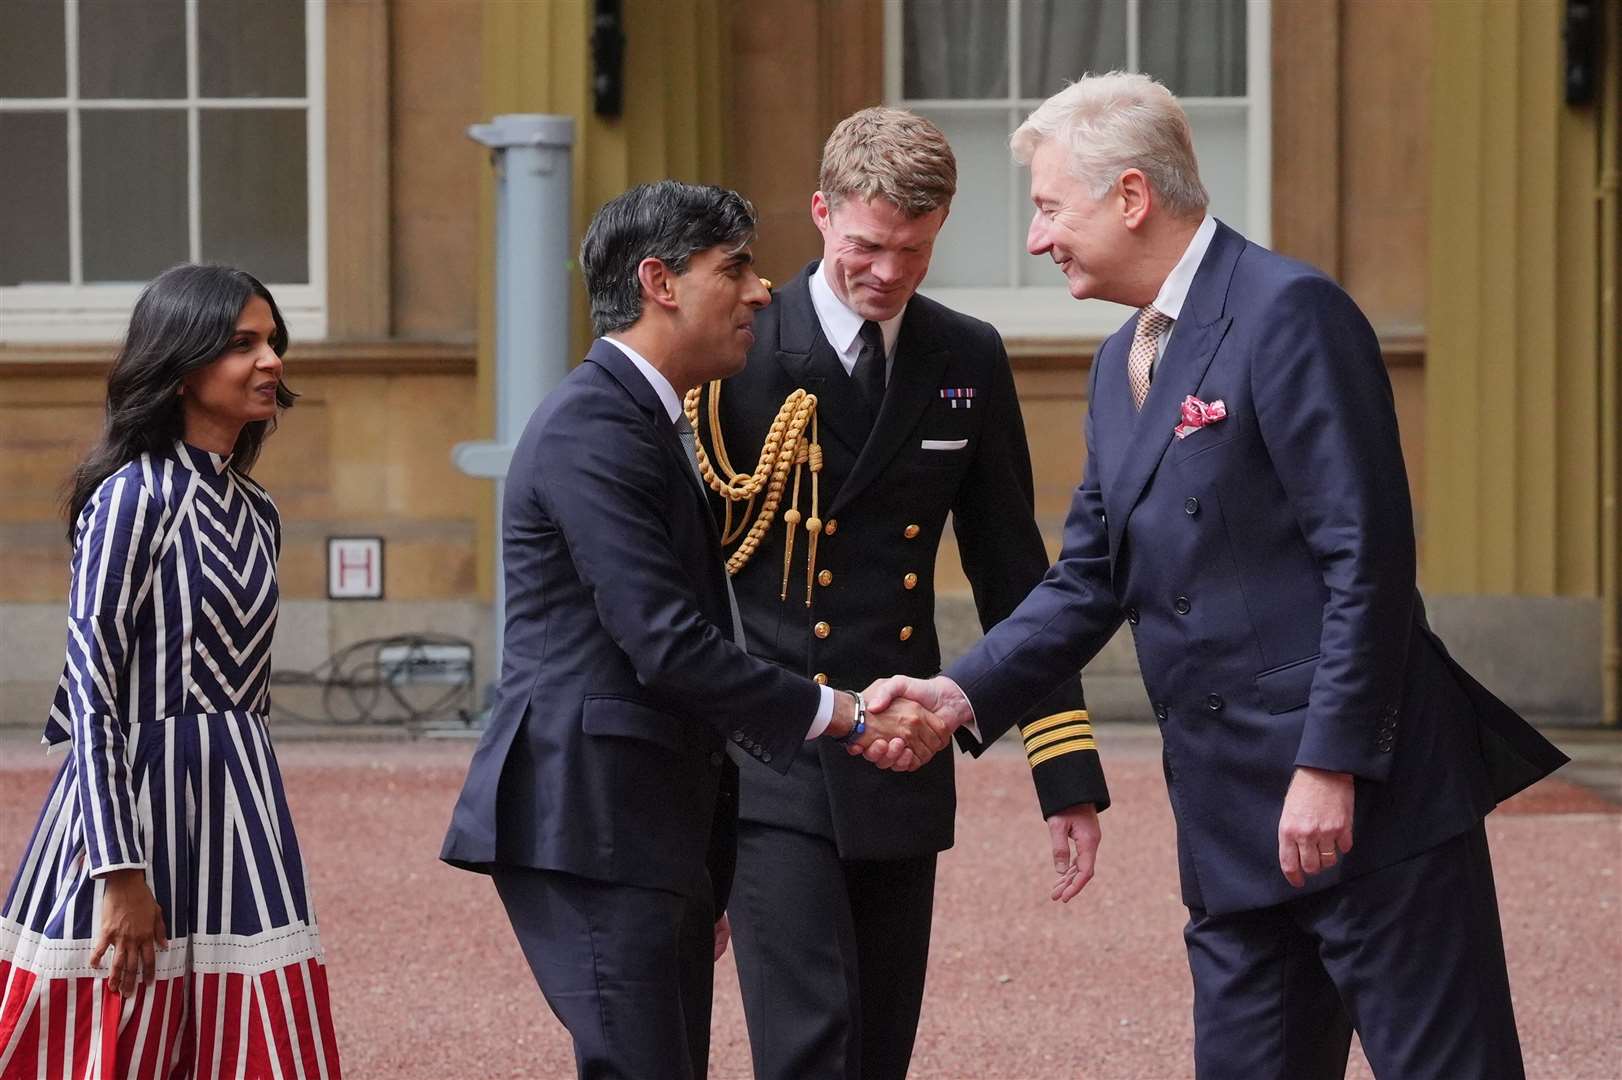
x=669, y=221
x=183, y=320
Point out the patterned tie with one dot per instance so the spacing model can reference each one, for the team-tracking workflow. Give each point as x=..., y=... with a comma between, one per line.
x=869, y=369
x=1145, y=343
x=689, y=443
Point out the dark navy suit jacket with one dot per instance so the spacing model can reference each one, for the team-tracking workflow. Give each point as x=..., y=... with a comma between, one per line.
x=888, y=490
x=619, y=684
x=1266, y=563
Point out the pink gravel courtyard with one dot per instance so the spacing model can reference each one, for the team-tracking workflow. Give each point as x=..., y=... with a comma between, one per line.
x=428, y=983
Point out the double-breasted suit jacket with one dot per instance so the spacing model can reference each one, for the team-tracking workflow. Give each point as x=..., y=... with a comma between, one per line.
x=1266, y=564
x=620, y=682
x=949, y=439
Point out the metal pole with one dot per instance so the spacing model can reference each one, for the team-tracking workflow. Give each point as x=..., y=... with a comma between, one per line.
x=531, y=156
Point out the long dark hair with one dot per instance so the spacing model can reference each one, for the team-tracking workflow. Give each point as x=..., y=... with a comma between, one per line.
x=182, y=321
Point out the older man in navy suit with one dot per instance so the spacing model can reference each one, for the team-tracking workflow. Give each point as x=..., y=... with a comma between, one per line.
x=1245, y=509
x=599, y=797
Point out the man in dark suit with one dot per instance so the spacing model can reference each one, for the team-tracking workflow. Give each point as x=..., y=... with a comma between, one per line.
x=917, y=418
x=1245, y=509
x=592, y=796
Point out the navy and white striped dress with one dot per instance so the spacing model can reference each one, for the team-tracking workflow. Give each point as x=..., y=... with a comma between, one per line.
x=162, y=705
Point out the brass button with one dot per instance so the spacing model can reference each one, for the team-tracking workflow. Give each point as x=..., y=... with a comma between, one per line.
x=822, y=629
x=820, y=678
x=910, y=581
x=826, y=577
x=906, y=632
x=910, y=531
x=830, y=528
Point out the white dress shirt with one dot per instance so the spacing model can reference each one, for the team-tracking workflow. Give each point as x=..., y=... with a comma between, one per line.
x=1174, y=290
x=672, y=403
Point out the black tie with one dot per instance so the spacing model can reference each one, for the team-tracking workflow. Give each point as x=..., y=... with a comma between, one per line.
x=869, y=369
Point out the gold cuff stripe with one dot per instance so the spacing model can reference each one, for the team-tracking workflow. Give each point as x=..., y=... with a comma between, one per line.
x=1060, y=749
x=1036, y=727
x=1048, y=738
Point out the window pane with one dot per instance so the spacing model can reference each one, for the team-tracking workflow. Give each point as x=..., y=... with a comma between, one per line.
x=133, y=185
x=1062, y=40
x=955, y=49
x=34, y=199
x=250, y=48
x=132, y=50
x=972, y=248
x=1195, y=47
x=1222, y=147
x=255, y=192
x=33, y=59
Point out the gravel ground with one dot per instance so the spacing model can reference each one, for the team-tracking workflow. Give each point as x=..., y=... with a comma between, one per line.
x=428, y=983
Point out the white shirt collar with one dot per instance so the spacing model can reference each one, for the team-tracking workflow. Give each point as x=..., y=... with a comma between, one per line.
x=841, y=325
x=1174, y=290
x=656, y=379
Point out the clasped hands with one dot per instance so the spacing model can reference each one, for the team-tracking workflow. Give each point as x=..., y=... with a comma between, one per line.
x=909, y=721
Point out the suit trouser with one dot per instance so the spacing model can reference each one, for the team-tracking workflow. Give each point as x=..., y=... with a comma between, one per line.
x=831, y=955
x=1410, y=955
x=628, y=970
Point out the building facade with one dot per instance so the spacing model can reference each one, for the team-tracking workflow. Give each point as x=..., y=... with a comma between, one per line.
x=1425, y=154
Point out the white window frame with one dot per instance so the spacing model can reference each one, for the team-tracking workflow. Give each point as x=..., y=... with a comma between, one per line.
x=93, y=313
x=1042, y=312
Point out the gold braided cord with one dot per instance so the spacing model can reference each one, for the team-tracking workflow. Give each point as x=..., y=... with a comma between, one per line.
x=787, y=447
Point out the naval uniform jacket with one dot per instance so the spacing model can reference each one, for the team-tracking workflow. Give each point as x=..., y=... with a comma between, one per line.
x=1266, y=565
x=619, y=686
x=884, y=504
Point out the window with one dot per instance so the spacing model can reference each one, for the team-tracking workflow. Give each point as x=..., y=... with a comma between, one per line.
x=977, y=68
x=134, y=136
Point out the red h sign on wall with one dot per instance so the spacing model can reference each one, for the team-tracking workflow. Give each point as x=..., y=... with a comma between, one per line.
x=354, y=567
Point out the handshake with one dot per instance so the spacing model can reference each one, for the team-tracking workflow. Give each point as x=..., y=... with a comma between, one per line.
x=905, y=721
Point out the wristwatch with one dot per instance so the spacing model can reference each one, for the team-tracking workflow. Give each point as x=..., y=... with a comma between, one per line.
x=857, y=728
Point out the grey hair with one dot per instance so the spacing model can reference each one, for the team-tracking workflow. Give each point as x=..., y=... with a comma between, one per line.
x=1117, y=121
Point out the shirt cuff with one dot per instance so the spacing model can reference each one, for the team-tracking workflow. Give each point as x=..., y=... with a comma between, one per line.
x=971, y=725
x=825, y=713
x=103, y=871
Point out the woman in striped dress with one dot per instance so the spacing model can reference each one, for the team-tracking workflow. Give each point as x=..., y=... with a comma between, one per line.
x=159, y=924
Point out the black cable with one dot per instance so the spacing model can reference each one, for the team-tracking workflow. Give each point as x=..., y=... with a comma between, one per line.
x=359, y=687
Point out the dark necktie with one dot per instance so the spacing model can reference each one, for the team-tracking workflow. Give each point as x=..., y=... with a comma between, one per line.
x=689, y=443
x=869, y=370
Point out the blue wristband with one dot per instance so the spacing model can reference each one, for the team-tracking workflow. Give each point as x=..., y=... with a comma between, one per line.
x=860, y=725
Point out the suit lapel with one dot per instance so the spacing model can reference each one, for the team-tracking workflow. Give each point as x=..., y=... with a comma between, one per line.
x=609, y=356
x=920, y=361
x=1194, y=341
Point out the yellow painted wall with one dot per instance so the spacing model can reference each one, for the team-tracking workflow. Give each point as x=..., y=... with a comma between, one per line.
x=361, y=452
x=1512, y=412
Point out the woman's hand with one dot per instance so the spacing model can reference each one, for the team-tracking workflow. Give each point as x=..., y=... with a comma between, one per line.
x=132, y=925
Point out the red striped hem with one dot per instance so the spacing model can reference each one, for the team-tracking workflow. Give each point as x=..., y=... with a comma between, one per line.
x=271, y=1024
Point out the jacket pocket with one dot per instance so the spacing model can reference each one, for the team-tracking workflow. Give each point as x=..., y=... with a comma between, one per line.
x=626, y=718
x=1287, y=686
x=1203, y=439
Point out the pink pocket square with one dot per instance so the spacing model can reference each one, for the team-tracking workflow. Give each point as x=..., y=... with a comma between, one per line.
x=1197, y=414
